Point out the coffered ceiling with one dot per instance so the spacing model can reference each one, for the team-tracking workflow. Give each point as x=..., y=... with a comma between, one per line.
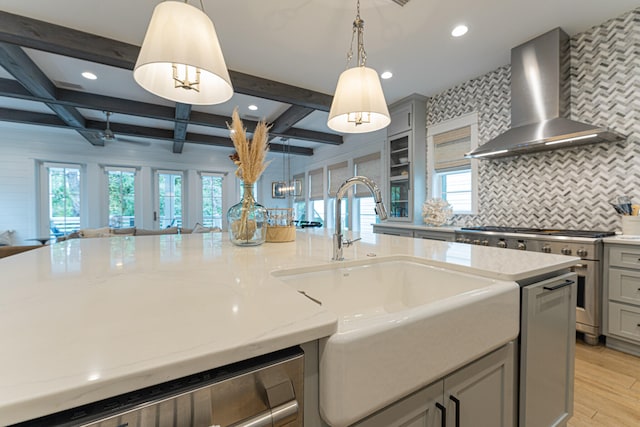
x=284, y=57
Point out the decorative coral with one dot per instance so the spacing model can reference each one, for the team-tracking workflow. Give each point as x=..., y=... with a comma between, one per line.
x=436, y=212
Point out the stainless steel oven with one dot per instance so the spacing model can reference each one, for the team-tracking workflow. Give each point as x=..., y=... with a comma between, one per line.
x=584, y=244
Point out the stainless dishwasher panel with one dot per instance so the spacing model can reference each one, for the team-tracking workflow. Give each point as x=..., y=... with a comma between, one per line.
x=267, y=396
x=266, y=390
x=547, y=351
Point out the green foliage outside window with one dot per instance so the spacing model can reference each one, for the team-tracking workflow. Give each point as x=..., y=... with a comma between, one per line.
x=121, y=199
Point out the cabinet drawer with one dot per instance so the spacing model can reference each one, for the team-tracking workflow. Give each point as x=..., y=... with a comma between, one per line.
x=624, y=256
x=624, y=285
x=624, y=321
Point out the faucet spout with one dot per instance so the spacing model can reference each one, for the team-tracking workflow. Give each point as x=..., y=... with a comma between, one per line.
x=381, y=211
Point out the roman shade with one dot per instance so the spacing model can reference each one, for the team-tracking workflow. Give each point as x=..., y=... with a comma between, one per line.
x=370, y=167
x=315, y=185
x=300, y=196
x=450, y=147
x=337, y=175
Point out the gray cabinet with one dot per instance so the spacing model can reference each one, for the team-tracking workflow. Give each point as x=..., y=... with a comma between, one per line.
x=405, y=159
x=392, y=231
x=547, y=351
x=481, y=394
x=416, y=231
x=622, y=297
x=443, y=236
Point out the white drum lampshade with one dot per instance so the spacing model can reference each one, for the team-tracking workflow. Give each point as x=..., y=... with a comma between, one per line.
x=182, y=35
x=358, y=96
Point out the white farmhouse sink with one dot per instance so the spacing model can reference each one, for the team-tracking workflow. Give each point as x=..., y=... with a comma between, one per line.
x=402, y=325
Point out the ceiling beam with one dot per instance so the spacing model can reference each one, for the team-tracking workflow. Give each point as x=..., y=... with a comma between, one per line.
x=286, y=120
x=180, y=127
x=41, y=35
x=27, y=73
x=92, y=126
x=12, y=89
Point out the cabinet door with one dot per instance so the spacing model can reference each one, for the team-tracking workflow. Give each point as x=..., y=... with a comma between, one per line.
x=434, y=235
x=400, y=120
x=482, y=394
x=400, y=177
x=416, y=410
x=547, y=351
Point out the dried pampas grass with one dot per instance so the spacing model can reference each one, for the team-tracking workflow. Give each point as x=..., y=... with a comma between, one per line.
x=249, y=155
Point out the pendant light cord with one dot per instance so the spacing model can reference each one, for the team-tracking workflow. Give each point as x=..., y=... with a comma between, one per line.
x=201, y=4
x=358, y=28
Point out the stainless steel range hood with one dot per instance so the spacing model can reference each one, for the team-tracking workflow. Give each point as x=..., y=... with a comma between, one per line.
x=540, y=94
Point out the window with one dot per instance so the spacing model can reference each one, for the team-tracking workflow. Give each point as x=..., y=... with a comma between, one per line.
x=455, y=188
x=337, y=174
x=316, y=196
x=454, y=177
x=64, y=199
x=299, y=205
x=364, y=205
x=169, y=203
x=121, y=190
x=211, y=200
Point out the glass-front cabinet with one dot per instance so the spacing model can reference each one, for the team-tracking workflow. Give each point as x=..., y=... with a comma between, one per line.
x=406, y=141
x=399, y=176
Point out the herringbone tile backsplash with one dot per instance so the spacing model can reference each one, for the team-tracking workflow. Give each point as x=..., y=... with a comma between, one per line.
x=567, y=188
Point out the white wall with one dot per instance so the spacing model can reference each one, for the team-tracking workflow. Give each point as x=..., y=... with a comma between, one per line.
x=22, y=148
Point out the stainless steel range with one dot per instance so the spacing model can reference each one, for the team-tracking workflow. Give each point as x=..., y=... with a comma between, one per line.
x=584, y=244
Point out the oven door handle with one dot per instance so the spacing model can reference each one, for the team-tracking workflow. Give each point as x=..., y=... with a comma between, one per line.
x=579, y=266
x=561, y=285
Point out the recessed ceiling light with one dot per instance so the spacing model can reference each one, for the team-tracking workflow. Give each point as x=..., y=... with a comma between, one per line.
x=459, y=31
x=89, y=75
x=252, y=107
x=386, y=75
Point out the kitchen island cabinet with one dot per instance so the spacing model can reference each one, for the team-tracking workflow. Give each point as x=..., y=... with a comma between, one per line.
x=479, y=394
x=88, y=319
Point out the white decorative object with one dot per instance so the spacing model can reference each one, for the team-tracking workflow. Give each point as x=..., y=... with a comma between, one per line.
x=436, y=212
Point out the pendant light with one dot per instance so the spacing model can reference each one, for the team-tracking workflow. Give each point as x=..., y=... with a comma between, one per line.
x=180, y=58
x=358, y=104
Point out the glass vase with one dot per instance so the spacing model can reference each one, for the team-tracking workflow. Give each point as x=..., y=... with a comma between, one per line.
x=247, y=220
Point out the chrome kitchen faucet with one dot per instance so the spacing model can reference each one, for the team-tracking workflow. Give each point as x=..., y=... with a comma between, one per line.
x=338, y=243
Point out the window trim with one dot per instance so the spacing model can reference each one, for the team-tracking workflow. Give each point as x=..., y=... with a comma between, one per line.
x=471, y=120
x=44, y=190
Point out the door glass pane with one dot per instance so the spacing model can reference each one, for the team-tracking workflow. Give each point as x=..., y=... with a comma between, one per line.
x=121, y=199
x=64, y=200
x=170, y=200
x=211, y=201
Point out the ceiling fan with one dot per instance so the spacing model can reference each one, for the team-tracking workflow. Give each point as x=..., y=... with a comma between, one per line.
x=108, y=136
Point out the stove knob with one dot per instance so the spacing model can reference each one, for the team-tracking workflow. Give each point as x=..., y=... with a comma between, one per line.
x=460, y=240
x=467, y=241
x=522, y=246
x=502, y=244
x=546, y=249
x=476, y=242
x=485, y=243
x=565, y=251
x=582, y=252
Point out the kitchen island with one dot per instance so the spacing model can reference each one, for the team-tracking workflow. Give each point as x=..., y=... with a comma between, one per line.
x=87, y=319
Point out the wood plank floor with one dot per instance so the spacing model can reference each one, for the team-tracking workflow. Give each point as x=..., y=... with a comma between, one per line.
x=607, y=388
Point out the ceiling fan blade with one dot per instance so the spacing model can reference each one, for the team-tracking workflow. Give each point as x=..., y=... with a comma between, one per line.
x=133, y=141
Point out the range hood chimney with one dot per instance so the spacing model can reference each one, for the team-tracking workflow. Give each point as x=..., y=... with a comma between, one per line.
x=540, y=107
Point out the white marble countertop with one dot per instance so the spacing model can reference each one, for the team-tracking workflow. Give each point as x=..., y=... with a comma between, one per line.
x=412, y=226
x=87, y=319
x=623, y=239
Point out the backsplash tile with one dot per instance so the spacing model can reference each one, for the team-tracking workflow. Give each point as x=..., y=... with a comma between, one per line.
x=567, y=188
